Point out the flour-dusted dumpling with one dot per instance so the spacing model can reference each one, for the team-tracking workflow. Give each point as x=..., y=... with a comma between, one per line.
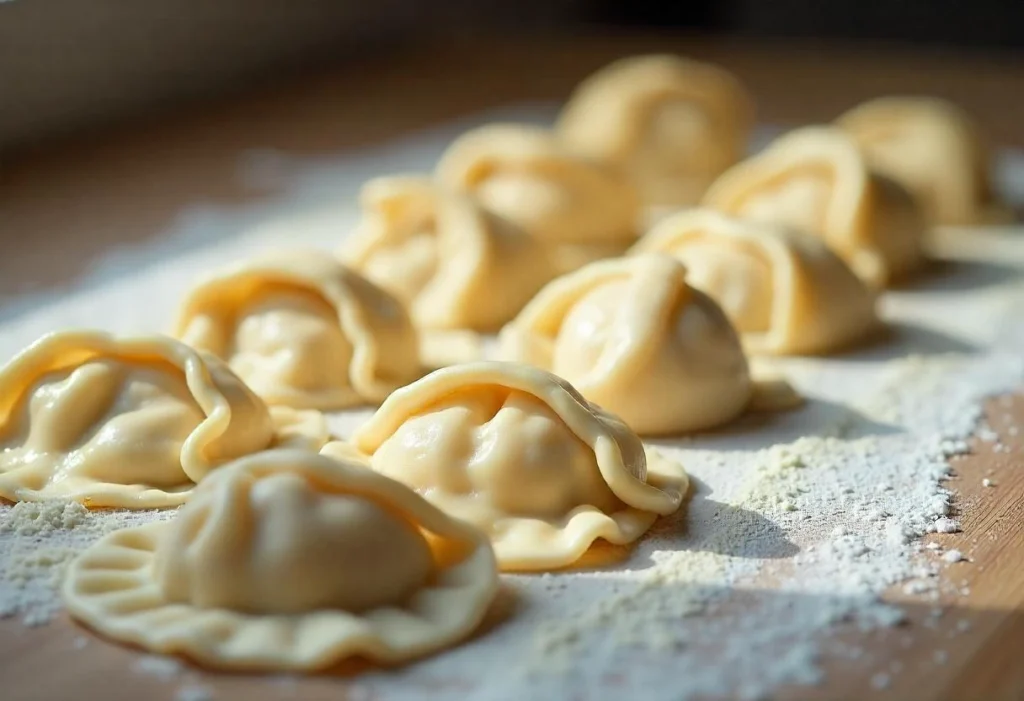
x=816, y=180
x=634, y=338
x=580, y=209
x=303, y=330
x=289, y=560
x=452, y=262
x=931, y=147
x=783, y=290
x=123, y=422
x=519, y=453
x=672, y=124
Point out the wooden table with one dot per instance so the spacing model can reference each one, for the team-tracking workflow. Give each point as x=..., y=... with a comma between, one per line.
x=63, y=206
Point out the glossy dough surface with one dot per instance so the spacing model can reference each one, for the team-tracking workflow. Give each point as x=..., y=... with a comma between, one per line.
x=816, y=180
x=634, y=338
x=581, y=210
x=130, y=422
x=672, y=124
x=452, y=263
x=303, y=330
x=783, y=290
x=289, y=560
x=519, y=453
x=933, y=149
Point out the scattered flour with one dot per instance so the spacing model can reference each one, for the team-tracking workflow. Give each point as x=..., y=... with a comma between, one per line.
x=192, y=692
x=159, y=666
x=37, y=541
x=799, y=522
x=952, y=556
x=34, y=518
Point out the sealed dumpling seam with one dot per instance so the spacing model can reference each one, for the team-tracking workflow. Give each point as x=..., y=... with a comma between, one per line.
x=634, y=338
x=455, y=264
x=784, y=290
x=303, y=331
x=130, y=422
x=289, y=560
x=518, y=452
x=816, y=179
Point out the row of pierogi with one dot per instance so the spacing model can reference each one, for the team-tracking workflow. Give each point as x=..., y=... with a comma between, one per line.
x=293, y=551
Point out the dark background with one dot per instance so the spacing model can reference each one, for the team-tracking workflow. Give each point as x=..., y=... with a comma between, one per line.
x=70, y=64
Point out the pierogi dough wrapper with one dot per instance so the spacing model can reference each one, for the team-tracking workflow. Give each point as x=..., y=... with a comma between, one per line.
x=303, y=331
x=289, y=561
x=784, y=291
x=817, y=180
x=935, y=150
x=125, y=422
x=579, y=209
x=633, y=337
x=671, y=124
x=454, y=264
x=521, y=454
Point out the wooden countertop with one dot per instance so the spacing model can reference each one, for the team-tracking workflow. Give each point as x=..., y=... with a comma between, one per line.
x=63, y=206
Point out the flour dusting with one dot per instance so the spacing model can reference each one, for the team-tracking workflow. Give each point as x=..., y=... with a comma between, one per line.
x=800, y=525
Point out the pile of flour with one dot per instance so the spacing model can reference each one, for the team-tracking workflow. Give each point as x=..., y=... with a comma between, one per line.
x=797, y=524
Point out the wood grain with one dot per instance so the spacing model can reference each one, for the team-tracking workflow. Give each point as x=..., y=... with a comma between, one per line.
x=62, y=207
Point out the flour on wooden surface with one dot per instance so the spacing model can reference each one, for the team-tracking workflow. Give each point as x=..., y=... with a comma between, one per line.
x=192, y=692
x=799, y=522
x=37, y=541
x=159, y=666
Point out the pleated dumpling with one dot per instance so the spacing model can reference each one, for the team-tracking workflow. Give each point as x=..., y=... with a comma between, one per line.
x=303, y=330
x=816, y=180
x=580, y=209
x=672, y=124
x=450, y=261
x=932, y=148
x=289, y=560
x=633, y=337
x=130, y=422
x=520, y=454
x=783, y=290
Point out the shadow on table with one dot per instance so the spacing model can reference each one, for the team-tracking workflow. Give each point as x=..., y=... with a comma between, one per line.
x=758, y=430
x=897, y=339
x=948, y=275
x=749, y=534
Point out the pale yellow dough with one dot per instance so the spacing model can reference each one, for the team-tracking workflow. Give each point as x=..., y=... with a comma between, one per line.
x=670, y=123
x=519, y=453
x=633, y=337
x=451, y=262
x=816, y=180
x=579, y=209
x=932, y=148
x=125, y=422
x=303, y=330
x=289, y=560
x=783, y=290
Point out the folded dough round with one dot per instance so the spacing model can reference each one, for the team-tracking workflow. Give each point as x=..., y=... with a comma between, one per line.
x=670, y=123
x=303, y=330
x=289, y=560
x=519, y=453
x=581, y=209
x=633, y=337
x=129, y=422
x=783, y=290
x=932, y=148
x=816, y=180
x=450, y=261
